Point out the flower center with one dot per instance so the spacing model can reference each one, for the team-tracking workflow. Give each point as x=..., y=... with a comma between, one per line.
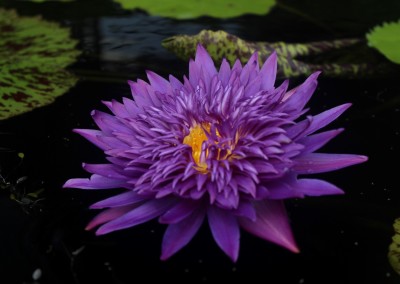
x=195, y=139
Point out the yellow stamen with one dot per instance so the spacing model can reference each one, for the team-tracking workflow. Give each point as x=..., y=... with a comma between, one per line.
x=195, y=139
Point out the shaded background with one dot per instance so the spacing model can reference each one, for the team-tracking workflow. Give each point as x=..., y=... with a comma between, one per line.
x=343, y=239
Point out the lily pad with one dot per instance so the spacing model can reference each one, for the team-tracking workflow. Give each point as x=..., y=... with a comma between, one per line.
x=190, y=9
x=291, y=56
x=394, y=248
x=33, y=55
x=386, y=39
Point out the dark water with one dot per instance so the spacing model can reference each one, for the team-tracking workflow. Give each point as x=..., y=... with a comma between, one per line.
x=343, y=239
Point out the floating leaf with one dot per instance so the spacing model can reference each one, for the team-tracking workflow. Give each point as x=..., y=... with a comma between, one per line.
x=386, y=39
x=394, y=248
x=223, y=45
x=190, y=9
x=33, y=55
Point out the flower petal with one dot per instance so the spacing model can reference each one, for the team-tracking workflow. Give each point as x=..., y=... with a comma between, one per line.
x=204, y=60
x=93, y=136
x=301, y=95
x=179, y=212
x=225, y=230
x=268, y=72
x=106, y=170
x=316, y=141
x=139, y=215
x=320, y=162
x=108, y=215
x=317, y=122
x=122, y=199
x=316, y=187
x=94, y=182
x=272, y=224
x=180, y=234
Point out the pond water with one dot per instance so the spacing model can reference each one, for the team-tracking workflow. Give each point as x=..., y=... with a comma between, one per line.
x=343, y=239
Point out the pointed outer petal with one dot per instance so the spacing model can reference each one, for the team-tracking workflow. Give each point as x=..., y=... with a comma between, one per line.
x=316, y=141
x=283, y=189
x=301, y=95
x=131, y=107
x=140, y=93
x=109, y=123
x=108, y=215
x=180, y=234
x=203, y=59
x=175, y=83
x=272, y=224
x=249, y=68
x=106, y=170
x=227, y=202
x=179, y=212
x=245, y=209
x=225, y=230
x=320, y=162
x=268, y=72
x=113, y=142
x=224, y=72
x=289, y=93
x=310, y=125
x=194, y=73
x=139, y=215
x=316, y=187
x=117, y=108
x=122, y=199
x=95, y=182
x=93, y=136
x=158, y=83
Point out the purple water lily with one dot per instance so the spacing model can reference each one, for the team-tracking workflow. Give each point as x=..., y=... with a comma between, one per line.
x=224, y=145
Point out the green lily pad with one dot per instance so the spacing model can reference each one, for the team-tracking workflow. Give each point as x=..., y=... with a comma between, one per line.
x=386, y=39
x=394, y=248
x=291, y=56
x=189, y=9
x=33, y=55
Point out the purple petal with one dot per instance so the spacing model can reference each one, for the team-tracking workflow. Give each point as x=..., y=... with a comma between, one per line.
x=122, y=199
x=179, y=212
x=283, y=189
x=320, y=162
x=268, y=72
x=250, y=70
x=224, y=72
x=225, y=230
x=317, y=122
x=272, y=224
x=204, y=60
x=106, y=170
x=175, y=83
x=139, y=215
x=180, y=234
x=95, y=182
x=117, y=108
x=300, y=96
x=93, y=136
x=158, y=83
x=245, y=209
x=316, y=187
x=316, y=141
x=108, y=215
x=109, y=123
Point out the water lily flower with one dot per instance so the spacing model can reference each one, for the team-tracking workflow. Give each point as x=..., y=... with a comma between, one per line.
x=223, y=145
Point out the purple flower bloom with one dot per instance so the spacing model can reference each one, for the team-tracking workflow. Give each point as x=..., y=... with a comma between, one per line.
x=223, y=145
